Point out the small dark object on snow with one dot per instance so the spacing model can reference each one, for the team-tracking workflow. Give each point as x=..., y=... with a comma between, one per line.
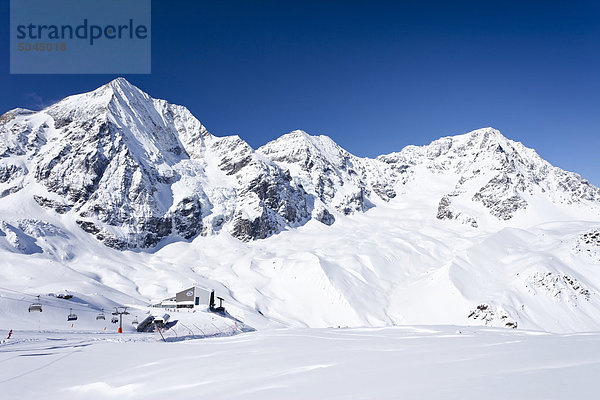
x=212, y=307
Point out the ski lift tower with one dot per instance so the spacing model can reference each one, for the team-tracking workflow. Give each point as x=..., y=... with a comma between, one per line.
x=120, y=311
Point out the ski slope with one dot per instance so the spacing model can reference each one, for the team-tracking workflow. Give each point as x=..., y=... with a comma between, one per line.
x=402, y=362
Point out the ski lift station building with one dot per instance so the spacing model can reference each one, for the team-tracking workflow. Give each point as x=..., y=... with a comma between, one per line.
x=192, y=297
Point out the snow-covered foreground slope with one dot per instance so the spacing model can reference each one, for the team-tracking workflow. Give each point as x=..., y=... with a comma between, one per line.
x=404, y=362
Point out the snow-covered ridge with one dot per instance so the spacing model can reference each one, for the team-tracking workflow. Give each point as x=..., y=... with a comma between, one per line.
x=133, y=170
x=337, y=179
x=502, y=175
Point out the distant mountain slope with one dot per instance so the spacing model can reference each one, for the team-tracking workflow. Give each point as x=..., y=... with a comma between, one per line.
x=503, y=176
x=336, y=178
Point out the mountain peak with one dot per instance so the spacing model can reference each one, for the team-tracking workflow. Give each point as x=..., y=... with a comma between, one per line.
x=299, y=145
x=317, y=142
x=484, y=135
x=298, y=137
x=120, y=82
x=297, y=133
x=483, y=131
x=92, y=102
x=479, y=136
x=121, y=86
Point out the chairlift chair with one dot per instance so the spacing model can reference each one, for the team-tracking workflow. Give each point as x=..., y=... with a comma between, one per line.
x=135, y=321
x=114, y=320
x=36, y=306
x=71, y=316
x=101, y=316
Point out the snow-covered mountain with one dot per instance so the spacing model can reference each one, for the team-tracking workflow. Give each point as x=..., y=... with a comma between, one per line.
x=495, y=175
x=133, y=170
x=118, y=194
x=336, y=179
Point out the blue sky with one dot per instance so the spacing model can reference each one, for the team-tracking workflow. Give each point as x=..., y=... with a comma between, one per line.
x=375, y=76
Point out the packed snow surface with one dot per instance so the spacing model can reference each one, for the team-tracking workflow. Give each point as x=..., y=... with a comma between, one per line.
x=390, y=363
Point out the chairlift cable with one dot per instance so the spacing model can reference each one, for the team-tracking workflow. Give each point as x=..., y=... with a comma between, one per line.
x=51, y=305
x=77, y=307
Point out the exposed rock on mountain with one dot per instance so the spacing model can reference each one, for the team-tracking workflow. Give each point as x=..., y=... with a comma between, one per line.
x=338, y=180
x=136, y=169
x=492, y=316
x=494, y=171
x=447, y=211
x=564, y=287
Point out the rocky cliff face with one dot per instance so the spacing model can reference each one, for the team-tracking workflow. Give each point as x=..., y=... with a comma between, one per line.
x=490, y=170
x=338, y=181
x=132, y=170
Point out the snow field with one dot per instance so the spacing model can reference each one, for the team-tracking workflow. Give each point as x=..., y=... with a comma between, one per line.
x=433, y=362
